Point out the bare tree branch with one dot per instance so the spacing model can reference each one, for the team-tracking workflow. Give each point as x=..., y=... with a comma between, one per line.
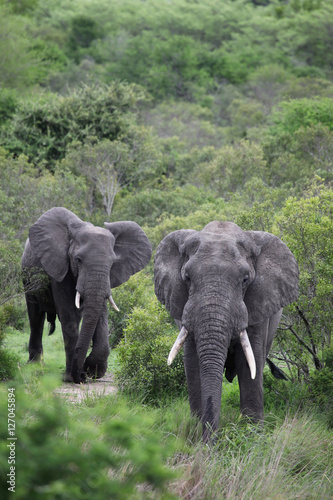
x=313, y=353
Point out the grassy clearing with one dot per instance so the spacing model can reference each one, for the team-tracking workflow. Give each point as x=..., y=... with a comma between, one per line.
x=294, y=460
x=158, y=450
x=54, y=361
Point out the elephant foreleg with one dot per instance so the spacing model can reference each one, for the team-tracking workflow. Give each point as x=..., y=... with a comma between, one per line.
x=36, y=320
x=272, y=327
x=70, y=333
x=192, y=371
x=251, y=391
x=69, y=317
x=96, y=363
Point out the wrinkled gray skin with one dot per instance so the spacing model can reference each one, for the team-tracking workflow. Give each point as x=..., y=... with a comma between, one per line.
x=216, y=283
x=77, y=256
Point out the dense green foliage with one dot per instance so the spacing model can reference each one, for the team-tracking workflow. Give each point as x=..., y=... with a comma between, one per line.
x=110, y=444
x=148, y=338
x=54, y=460
x=44, y=129
x=173, y=114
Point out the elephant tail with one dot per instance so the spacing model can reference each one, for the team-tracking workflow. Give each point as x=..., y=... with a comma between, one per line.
x=276, y=372
x=51, y=318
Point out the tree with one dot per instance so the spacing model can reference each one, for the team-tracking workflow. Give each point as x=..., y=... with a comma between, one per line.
x=148, y=205
x=296, y=157
x=10, y=268
x=17, y=62
x=306, y=226
x=232, y=167
x=44, y=129
x=110, y=166
x=25, y=194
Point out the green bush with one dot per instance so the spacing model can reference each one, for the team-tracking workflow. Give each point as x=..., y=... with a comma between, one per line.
x=10, y=260
x=83, y=31
x=134, y=293
x=148, y=205
x=10, y=315
x=44, y=128
x=8, y=104
x=231, y=168
x=306, y=226
x=294, y=158
x=13, y=314
x=8, y=362
x=104, y=452
x=143, y=352
x=321, y=386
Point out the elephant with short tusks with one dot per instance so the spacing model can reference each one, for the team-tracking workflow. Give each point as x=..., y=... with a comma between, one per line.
x=225, y=288
x=70, y=267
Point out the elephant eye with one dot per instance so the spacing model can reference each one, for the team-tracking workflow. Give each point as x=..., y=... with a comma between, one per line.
x=186, y=277
x=246, y=279
x=79, y=260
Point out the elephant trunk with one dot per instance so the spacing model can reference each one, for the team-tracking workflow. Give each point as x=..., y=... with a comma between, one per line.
x=212, y=355
x=94, y=298
x=88, y=327
x=214, y=327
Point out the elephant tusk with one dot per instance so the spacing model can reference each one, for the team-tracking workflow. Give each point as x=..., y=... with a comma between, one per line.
x=177, y=345
x=245, y=342
x=77, y=300
x=112, y=302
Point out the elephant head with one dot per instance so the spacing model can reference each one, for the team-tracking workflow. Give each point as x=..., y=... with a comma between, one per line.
x=84, y=263
x=220, y=284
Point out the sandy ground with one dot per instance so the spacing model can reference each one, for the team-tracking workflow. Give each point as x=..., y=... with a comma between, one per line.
x=77, y=393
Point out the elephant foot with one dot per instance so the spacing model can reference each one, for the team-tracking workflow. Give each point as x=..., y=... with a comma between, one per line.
x=93, y=369
x=35, y=358
x=67, y=377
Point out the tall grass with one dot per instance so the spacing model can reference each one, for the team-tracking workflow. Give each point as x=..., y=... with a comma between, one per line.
x=294, y=460
x=290, y=457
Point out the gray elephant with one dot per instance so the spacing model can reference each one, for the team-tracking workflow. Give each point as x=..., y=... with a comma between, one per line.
x=80, y=263
x=226, y=288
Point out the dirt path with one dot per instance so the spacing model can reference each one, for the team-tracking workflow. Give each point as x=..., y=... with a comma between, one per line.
x=77, y=393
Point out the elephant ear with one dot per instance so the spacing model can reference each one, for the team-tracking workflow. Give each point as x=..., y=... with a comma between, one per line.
x=276, y=280
x=49, y=240
x=132, y=248
x=169, y=287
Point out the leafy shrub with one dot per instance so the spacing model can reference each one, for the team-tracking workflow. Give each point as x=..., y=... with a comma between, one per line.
x=134, y=293
x=299, y=144
x=321, y=385
x=297, y=157
x=10, y=268
x=148, y=205
x=281, y=396
x=107, y=453
x=44, y=129
x=148, y=338
x=8, y=362
x=306, y=226
x=12, y=314
x=8, y=104
x=232, y=167
x=83, y=31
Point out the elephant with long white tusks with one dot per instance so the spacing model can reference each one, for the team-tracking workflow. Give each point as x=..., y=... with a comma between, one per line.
x=77, y=266
x=226, y=289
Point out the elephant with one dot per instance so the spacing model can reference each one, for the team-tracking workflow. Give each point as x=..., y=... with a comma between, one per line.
x=69, y=268
x=226, y=289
